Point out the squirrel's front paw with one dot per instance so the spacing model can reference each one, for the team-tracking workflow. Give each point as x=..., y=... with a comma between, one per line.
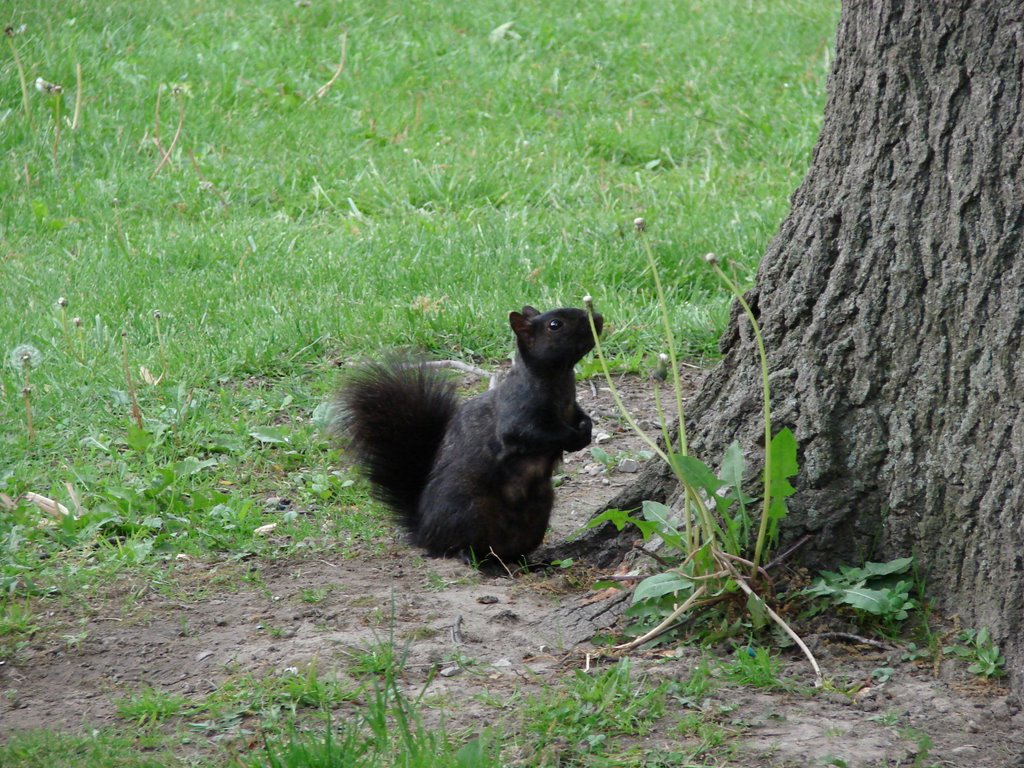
x=581, y=438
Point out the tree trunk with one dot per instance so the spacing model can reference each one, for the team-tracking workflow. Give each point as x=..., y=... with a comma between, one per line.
x=892, y=302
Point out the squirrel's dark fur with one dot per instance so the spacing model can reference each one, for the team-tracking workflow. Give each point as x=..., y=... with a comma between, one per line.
x=473, y=478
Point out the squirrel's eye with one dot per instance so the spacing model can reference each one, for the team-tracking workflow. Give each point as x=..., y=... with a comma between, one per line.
x=554, y=324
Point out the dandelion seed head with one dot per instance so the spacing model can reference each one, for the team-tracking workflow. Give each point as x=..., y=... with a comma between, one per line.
x=45, y=86
x=25, y=356
x=76, y=321
x=711, y=258
x=639, y=224
x=62, y=303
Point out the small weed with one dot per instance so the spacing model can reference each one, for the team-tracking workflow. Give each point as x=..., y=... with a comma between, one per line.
x=314, y=595
x=913, y=653
x=755, y=667
x=696, y=687
x=889, y=718
x=96, y=749
x=976, y=646
x=377, y=660
x=150, y=706
x=611, y=461
x=389, y=731
x=882, y=674
x=17, y=625
x=581, y=717
x=876, y=592
x=17, y=619
x=924, y=746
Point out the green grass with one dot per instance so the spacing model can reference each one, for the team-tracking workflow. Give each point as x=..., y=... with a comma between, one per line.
x=468, y=159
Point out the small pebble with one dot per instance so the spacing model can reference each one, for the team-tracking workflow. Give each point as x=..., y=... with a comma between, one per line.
x=628, y=466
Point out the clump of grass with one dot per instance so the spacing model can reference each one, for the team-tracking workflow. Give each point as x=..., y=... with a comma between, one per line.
x=387, y=730
x=150, y=706
x=568, y=722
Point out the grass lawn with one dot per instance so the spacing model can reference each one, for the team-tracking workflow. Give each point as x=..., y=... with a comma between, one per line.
x=231, y=198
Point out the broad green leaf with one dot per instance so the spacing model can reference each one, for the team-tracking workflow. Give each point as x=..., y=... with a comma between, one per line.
x=784, y=464
x=272, y=435
x=138, y=439
x=695, y=473
x=758, y=614
x=885, y=569
x=658, y=514
x=661, y=584
x=733, y=466
x=620, y=519
x=877, y=601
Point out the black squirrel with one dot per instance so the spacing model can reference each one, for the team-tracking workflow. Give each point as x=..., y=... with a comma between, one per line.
x=473, y=478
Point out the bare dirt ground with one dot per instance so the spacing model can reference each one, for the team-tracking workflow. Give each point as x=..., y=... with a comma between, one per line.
x=506, y=635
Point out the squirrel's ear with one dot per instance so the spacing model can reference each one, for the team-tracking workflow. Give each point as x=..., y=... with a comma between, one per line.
x=521, y=325
x=530, y=312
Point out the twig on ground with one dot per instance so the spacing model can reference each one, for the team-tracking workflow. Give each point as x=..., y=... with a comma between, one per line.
x=850, y=638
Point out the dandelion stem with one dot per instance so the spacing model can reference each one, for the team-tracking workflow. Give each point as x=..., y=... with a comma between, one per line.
x=673, y=363
x=174, y=139
x=136, y=411
x=766, y=395
x=25, y=104
x=57, y=99
x=27, y=394
x=599, y=351
x=76, y=119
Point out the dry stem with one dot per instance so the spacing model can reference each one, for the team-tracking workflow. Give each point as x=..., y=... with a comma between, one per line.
x=323, y=89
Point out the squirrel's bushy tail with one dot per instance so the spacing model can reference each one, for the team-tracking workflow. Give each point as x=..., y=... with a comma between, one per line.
x=396, y=415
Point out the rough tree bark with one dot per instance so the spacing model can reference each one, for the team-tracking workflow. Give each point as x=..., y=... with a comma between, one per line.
x=892, y=301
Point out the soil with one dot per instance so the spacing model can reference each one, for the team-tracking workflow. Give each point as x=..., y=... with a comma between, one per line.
x=518, y=633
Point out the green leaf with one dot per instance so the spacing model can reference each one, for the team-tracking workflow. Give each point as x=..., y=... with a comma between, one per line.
x=695, y=473
x=139, y=439
x=886, y=569
x=877, y=601
x=272, y=435
x=620, y=519
x=784, y=464
x=756, y=609
x=659, y=514
x=661, y=584
x=733, y=466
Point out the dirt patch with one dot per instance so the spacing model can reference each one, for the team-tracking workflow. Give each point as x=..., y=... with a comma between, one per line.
x=495, y=635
